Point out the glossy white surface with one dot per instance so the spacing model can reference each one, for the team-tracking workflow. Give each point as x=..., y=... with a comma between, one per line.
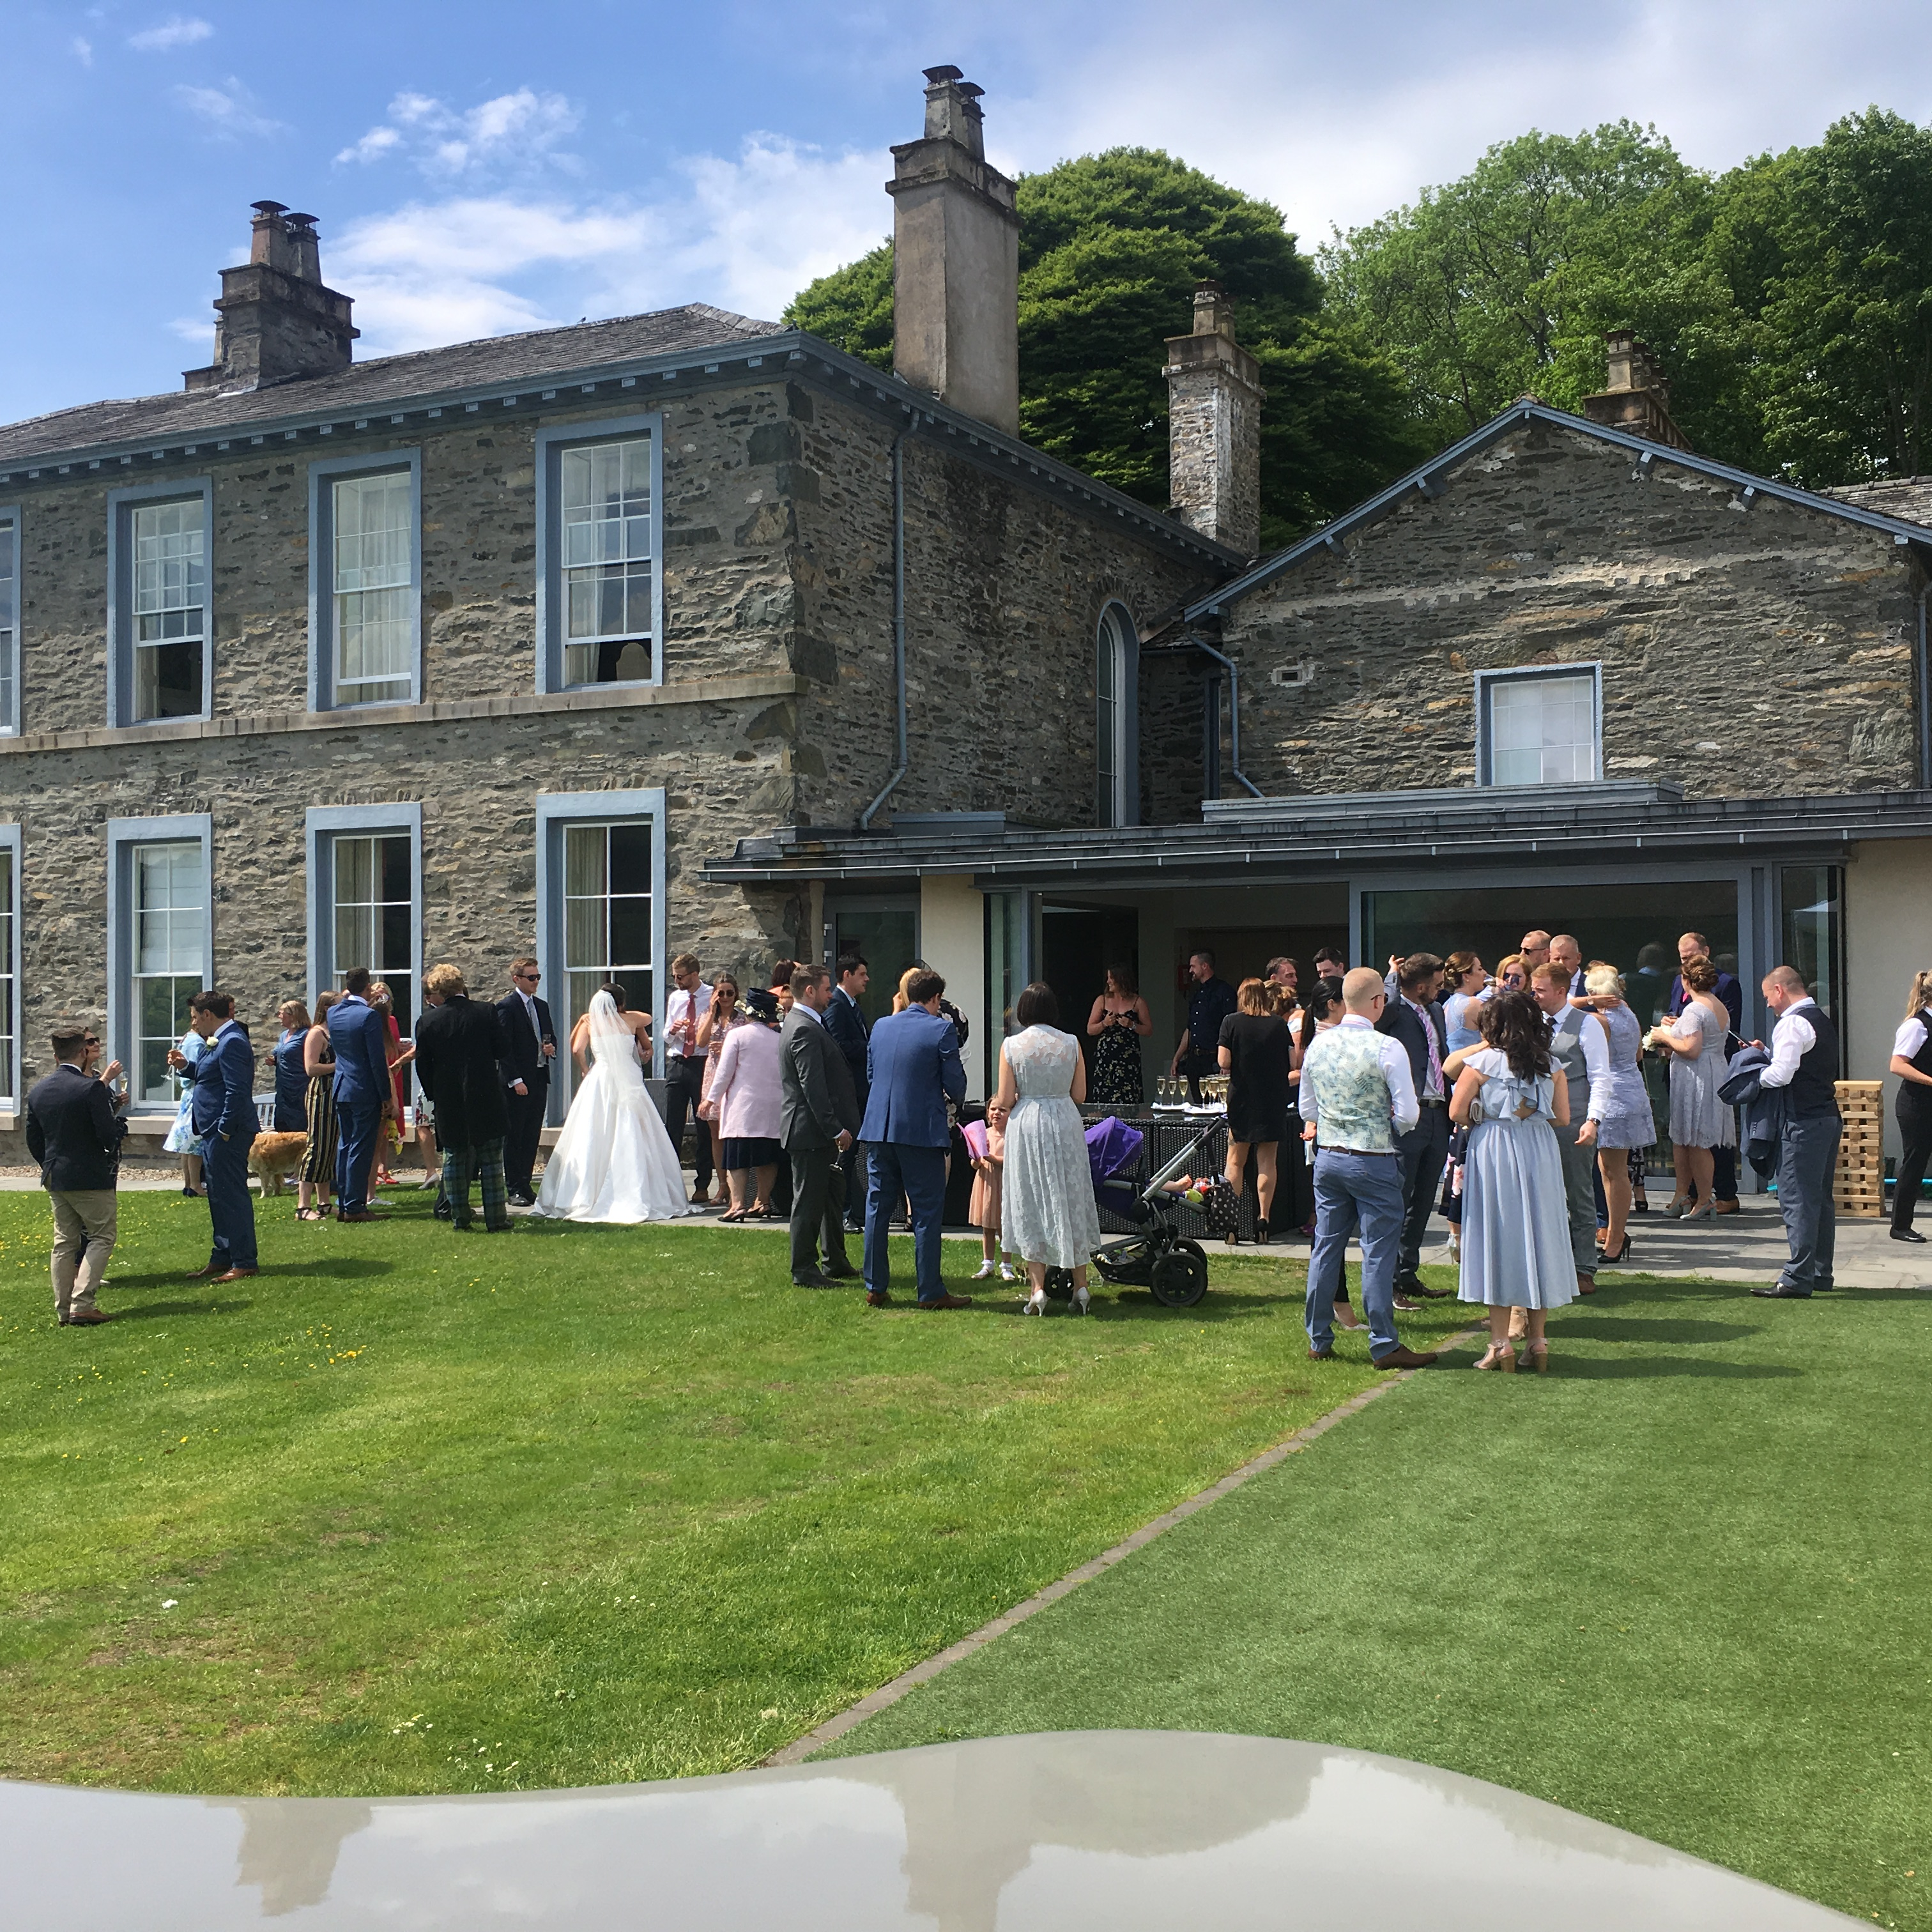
x=1076, y=1831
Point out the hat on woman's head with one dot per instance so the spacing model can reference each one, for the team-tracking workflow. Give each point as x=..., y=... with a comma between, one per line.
x=762, y=1005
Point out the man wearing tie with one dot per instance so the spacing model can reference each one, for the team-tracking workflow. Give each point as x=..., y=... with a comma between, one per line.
x=845, y=1022
x=361, y=1044
x=1413, y=1018
x=221, y=1111
x=531, y=1044
x=684, y=1067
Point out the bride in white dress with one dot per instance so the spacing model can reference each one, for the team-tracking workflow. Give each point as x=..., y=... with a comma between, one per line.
x=614, y=1161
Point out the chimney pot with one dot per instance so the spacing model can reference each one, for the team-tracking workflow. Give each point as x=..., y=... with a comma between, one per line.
x=1213, y=426
x=1635, y=396
x=955, y=260
x=277, y=321
x=269, y=207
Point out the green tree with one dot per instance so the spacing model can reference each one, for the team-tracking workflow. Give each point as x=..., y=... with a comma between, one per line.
x=1505, y=281
x=1110, y=248
x=1827, y=252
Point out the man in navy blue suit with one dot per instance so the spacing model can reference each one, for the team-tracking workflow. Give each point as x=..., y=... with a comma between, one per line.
x=913, y=1064
x=361, y=1042
x=221, y=1110
x=845, y=1023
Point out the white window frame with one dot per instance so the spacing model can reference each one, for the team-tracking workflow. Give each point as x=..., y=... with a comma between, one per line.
x=325, y=824
x=1486, y=684
x=10, y=555
x=121, y=505
x=1117, y=719
x=124, y=835
x=555, y=811
x=12, y=1101
x=552, y=603
x=324, y=473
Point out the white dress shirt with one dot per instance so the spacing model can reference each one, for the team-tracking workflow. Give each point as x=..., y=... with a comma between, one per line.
x=1405, y=1110
x=811, y=1012
x=1791, y=1039
x=682, y=1005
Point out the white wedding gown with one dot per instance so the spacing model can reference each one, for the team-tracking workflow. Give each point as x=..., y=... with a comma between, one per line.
x=614, y=1161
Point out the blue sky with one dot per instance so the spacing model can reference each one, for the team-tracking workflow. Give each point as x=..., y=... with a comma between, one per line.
x=482, y=167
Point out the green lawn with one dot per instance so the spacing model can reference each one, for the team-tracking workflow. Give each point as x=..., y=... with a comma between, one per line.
x=1681, y=1584
x=450, y=1513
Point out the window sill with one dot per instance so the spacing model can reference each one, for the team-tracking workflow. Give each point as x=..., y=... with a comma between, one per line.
x=583, y=698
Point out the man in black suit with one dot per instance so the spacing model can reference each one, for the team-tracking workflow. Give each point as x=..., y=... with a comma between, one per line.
x=74, y=1130
x=1413, y=1017
x=460, y=1049
x=530, y=1046
x=819, y=1122
x=845, y=1021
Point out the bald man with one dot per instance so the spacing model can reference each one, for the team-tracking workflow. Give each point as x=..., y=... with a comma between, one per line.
x=1804, y=1062
x=1535, y=948
x=1358, y=1097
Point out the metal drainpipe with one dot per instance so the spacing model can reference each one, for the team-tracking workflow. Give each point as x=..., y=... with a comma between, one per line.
x=1925, y=698
x=898, y=620
x=1234, y=712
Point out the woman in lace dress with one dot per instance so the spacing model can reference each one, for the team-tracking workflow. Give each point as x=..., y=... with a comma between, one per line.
x=614, y=1160
x=1047, y=1215
x=1516, y=1218
x=1699, y=1120
x=1620, y=1118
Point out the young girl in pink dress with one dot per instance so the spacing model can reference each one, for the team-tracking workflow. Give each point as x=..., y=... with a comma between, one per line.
x=988, y=1145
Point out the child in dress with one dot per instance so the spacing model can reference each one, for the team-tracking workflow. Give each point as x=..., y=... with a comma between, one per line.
x=987, y=1144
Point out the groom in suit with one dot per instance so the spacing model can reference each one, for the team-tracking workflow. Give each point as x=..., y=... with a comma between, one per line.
x=820, y=1123
x=913, y=1065
x=529, y=1046
x=360, y=1085
x=221, y=1111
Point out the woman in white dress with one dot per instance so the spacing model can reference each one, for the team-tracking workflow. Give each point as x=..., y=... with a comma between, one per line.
x=1047, y=1215
x=1699, y=1120
x=614, y=1161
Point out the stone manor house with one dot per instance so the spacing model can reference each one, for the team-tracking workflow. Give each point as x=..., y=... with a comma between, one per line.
x=685, y=630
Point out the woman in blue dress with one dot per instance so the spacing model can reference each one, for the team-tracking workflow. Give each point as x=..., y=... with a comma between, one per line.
x=1516, y=1218
x=291, y=1075
x=182, y=1138
x=1463, y=975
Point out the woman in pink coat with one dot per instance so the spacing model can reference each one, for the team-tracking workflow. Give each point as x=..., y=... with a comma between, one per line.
x=747, y=1089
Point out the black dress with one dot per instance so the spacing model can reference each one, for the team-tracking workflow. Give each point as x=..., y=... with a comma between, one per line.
x=1260, y=1049
x=1114, y=1067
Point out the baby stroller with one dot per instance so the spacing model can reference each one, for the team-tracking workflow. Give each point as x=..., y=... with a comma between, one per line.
x=1157, y=1255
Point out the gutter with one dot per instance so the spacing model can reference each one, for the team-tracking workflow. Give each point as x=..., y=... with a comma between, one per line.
x=899, y=622
x=1234, y=708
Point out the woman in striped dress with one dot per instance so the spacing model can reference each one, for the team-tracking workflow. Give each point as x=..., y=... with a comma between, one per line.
x=318, y=1161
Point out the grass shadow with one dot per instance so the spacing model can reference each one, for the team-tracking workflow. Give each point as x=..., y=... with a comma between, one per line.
x=1610, y=1368
x=150, y=1311
x=1641, y=1328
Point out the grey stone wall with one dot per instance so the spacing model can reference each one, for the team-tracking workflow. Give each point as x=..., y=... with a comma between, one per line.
x=778, y=582
x=1746, y=652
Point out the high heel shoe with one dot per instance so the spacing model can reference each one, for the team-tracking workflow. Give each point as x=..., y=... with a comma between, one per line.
x=1078, y=1305
x=1036, y=1304
x=1260, y=1234
x=1676, y=1209
x=1706, y=1211
x=1539, y=1357
x=1346, y=1316
x=1500, y=1355
x=1621, y=1254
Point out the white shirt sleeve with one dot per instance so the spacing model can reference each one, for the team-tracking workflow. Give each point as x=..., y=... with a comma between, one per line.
x=1405, y=1110
x=1908, y=1040
x=1305, y=1101
x=1596, y=1043
x=1791, y=1039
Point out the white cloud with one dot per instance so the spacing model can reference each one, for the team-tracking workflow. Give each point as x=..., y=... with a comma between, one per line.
x=229, y=110
x=522, y=127
x=743, y=234
x=173, y=32
x=83, y=49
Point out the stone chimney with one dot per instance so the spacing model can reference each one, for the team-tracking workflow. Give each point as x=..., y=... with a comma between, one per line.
x=1635, y=398
x=956, y=261
x=277, y=321
x=1214, y=397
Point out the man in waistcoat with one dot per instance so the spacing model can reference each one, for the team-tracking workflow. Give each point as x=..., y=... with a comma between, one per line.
x=1804, y=1062
x=1358, y=1097
x=1550, y=985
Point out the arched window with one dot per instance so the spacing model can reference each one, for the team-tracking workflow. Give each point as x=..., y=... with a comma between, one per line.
x=1116, y=721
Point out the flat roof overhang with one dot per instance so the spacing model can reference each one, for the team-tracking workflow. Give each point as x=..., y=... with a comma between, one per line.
x=1251, y=841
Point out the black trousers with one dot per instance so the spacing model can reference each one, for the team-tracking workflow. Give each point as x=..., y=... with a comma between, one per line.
x=852, y=1168
x=1420, y=1153
x=684, y=1087
x=1914, y=1108
x=524, y=1133
x=817, y=1211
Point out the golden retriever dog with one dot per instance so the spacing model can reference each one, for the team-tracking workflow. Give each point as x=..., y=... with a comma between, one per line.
x=273, y=1157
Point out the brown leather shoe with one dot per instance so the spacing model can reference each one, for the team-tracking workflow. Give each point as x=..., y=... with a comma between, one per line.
x=947, y=1301
x=1321, y=1355
x=88, y=1318
x=361, y=1215
x=235, y=1274
x=878, y=1298
x=1408, y=1307
x=1729, y=1208
x=207, y=1273
x=1400, y=1357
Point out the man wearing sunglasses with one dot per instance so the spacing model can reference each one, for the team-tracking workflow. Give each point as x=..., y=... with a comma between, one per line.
x=530, y=1043
x=74, y=1129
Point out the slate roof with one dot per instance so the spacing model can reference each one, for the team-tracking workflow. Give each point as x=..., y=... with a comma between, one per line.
x=388, y=379
x=1430, y=478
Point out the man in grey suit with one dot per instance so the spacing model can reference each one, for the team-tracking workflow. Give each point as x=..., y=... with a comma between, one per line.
x=819, y=1122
